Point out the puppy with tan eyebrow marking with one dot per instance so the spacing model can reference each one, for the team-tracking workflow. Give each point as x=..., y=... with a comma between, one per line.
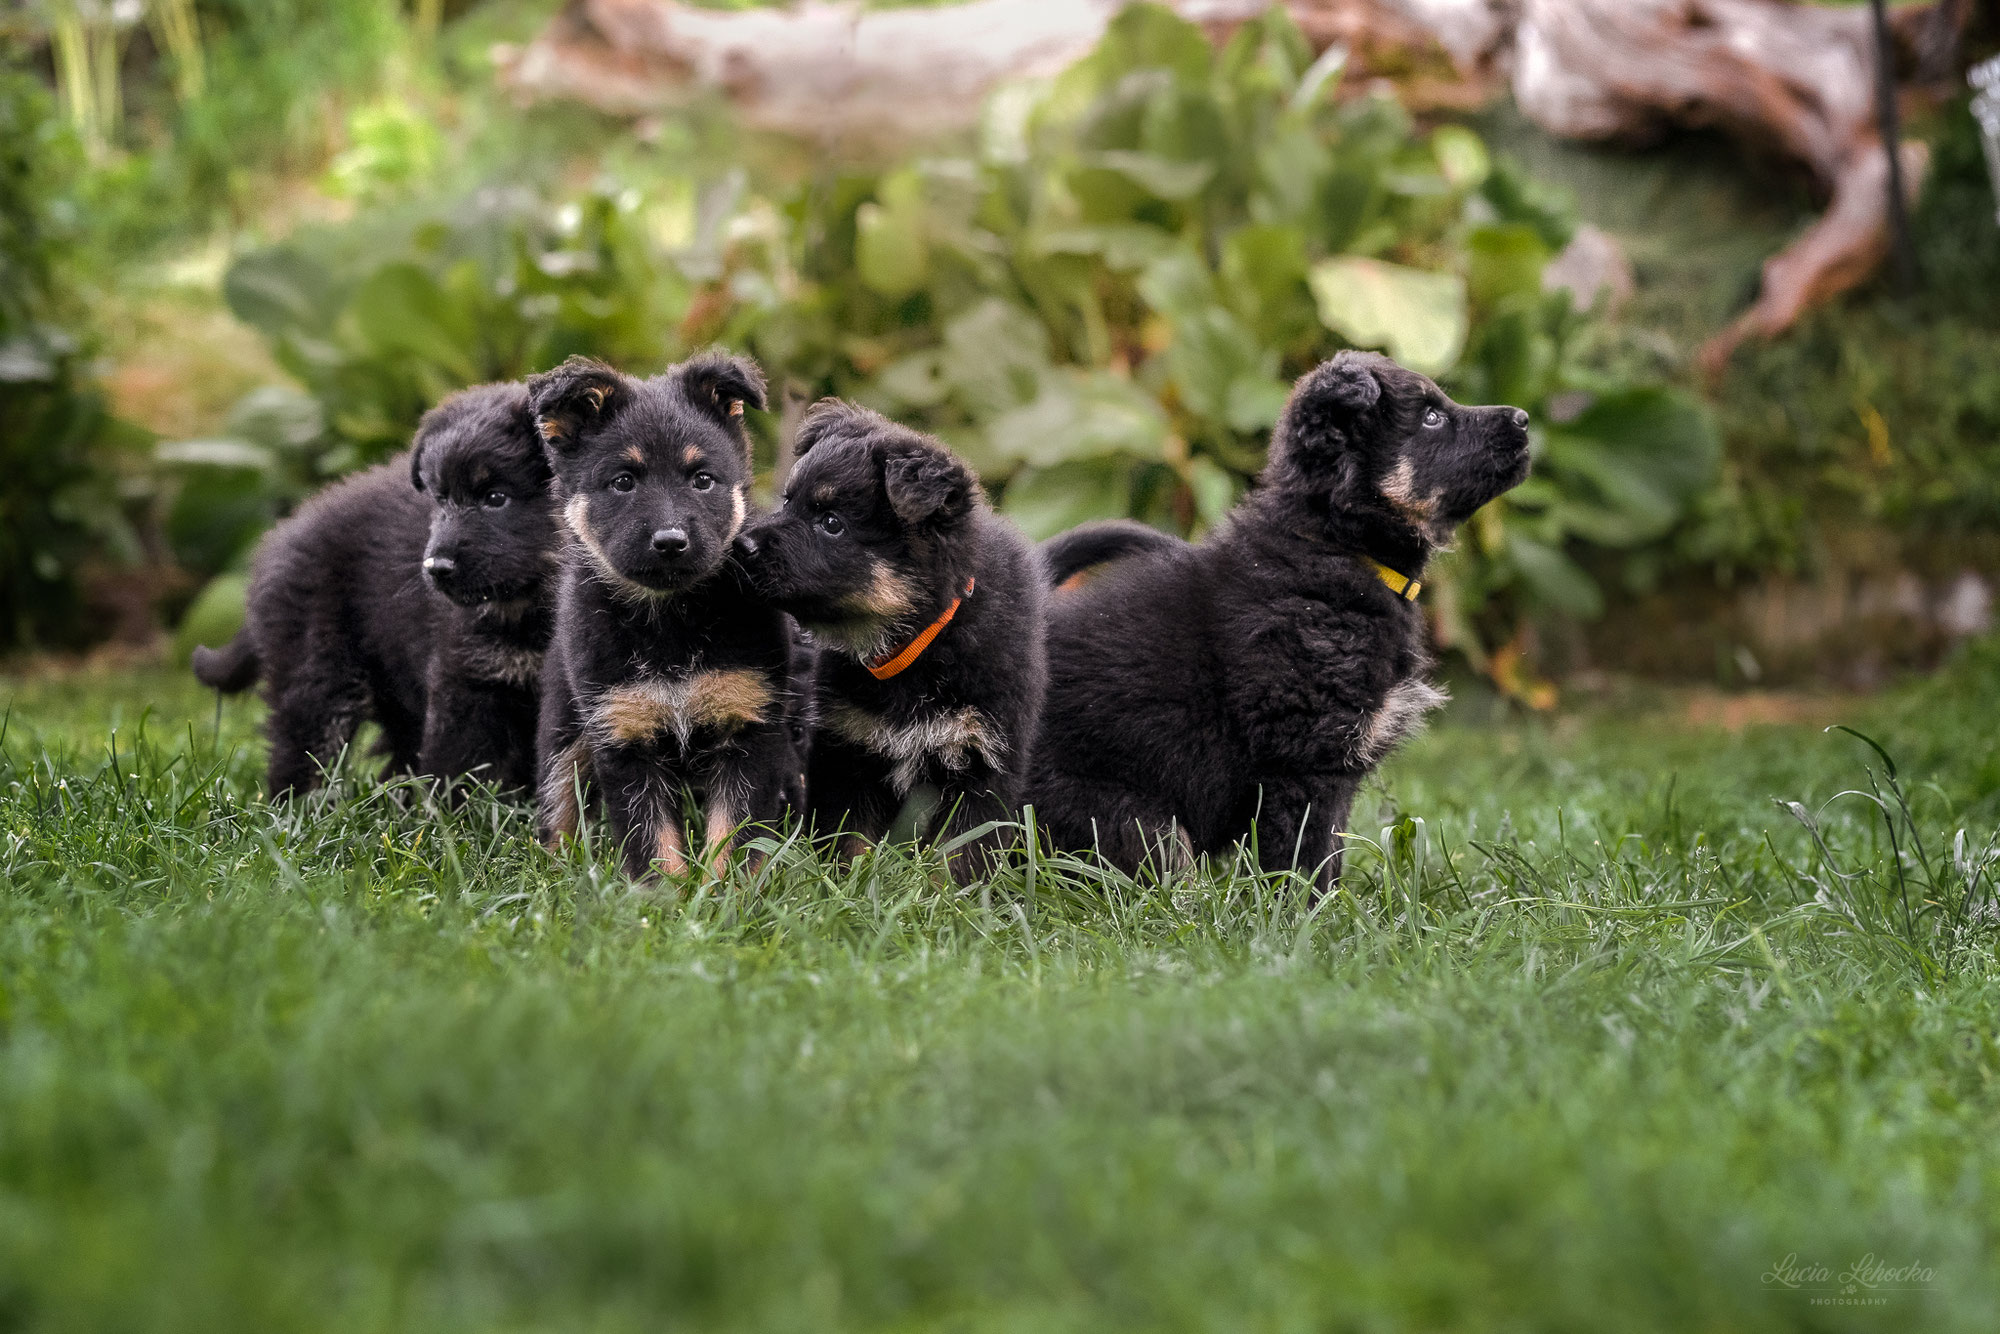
x=929, y=608
x=416, y=595
x=667, y=677
x=1203, y=694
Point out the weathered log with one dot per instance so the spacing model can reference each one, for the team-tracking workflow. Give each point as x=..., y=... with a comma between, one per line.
x=1792, y=79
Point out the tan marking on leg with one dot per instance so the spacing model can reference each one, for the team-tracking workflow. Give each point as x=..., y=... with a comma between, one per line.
x=561, y=814
x=850, y=847
x=668, y=850
x=630, y=714
x=720, y=835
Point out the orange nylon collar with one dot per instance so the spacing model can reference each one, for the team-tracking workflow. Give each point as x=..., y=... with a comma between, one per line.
x=884, y=667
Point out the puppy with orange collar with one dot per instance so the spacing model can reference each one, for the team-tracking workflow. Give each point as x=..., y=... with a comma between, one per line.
x=927, y=608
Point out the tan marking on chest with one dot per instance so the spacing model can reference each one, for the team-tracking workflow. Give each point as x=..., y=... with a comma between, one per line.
x=949, y=739
x=1400, y=717
x=640, y=711
x=886, y=596
x=497, y=662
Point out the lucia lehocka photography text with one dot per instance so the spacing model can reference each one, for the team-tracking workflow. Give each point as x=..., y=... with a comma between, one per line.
x=999, y=665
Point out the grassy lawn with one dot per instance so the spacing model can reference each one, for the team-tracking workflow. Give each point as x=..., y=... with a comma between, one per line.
x=1583, y=1052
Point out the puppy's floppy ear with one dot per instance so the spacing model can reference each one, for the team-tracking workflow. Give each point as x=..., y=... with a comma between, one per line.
x=1346, y=381
x=573, y=397
x=722, y=384
x=521, y=420
x=821, y=420
x=928, y=487
x=1321, y=414
x=417, y=460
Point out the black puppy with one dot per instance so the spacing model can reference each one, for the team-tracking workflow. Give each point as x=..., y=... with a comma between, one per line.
x=1258, y=677
x=415, y=594
x=667, y=676
x=928, y=609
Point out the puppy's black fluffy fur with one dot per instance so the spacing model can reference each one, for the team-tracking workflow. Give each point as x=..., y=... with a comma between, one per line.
x=880, y=530
x=1256, y=678
x=415, y=594
x=667, y=677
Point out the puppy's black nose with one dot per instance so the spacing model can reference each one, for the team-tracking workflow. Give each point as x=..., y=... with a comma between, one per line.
x=747, y=544
x=670, y=541
x=1521, y=418
x=439, y=565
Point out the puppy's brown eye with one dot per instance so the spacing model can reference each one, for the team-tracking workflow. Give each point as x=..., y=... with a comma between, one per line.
x=495, y=500
x=624, y=481
x=831, y=525
x=1433, y=418
x=701, y=481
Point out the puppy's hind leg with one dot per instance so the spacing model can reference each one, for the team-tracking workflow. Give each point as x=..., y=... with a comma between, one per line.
x=311, y=722
x=1298, y=828
x=1121, y=827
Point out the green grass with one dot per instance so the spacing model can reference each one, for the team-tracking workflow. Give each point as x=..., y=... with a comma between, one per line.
x=1582, y=1053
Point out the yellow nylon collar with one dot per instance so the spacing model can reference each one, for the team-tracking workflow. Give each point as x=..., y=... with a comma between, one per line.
x=1400, y=584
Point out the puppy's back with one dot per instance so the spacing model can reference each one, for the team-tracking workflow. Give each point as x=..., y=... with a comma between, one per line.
x=347, y=566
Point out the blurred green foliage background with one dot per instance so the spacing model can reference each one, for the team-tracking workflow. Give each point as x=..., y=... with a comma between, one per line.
x=1100, y=298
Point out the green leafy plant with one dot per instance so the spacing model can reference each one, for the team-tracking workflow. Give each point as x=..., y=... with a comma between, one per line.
x=501, y=286
x=1102, y=307
x=60, y=506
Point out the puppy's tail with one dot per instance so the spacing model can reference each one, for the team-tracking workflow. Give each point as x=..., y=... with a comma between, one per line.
x=1069, y=556
x=231, y=668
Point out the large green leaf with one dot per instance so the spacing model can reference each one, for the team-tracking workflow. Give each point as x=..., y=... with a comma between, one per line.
x=1419, y=317
x=1122, y=246
x=1047, y=501
x=891, y=250
x=994, y=356
x=214, y=617
x=1461, y=156
x=400, y=310
x=279, y=290
x=1504, y=260
x=1554, y=579
x=1637, y=458
x=1162, y=177
x=1080, y=415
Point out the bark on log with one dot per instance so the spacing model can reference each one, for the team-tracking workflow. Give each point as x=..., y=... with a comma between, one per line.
x=1793, y=79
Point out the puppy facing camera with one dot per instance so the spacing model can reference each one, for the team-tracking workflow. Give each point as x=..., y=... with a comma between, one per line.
x=415, y=595
x=668, y=681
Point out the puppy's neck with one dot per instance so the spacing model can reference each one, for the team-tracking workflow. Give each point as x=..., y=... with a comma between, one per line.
x=1378, y=535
